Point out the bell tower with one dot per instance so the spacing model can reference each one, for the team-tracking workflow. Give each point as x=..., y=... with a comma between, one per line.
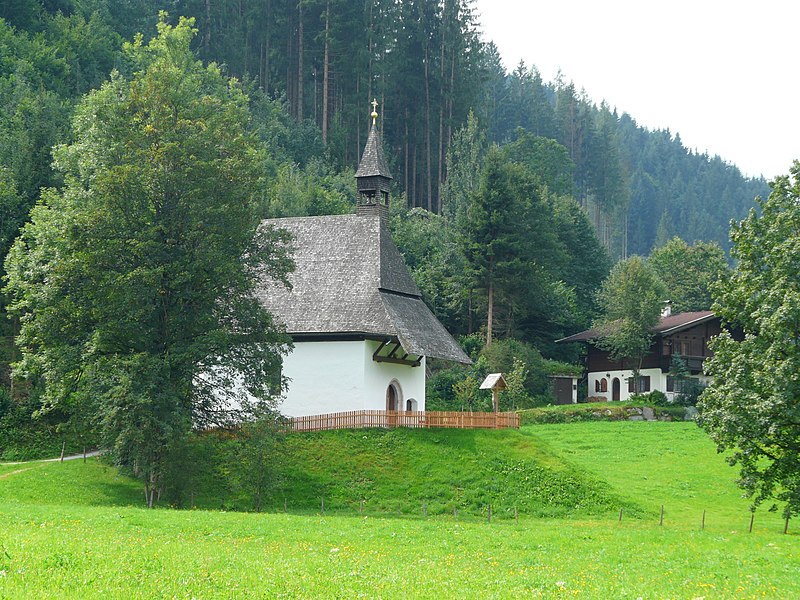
x=372, y=176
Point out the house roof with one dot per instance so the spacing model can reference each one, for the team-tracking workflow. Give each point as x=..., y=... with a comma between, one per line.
x=350, y=279
x=667, y=326
x=372, y=161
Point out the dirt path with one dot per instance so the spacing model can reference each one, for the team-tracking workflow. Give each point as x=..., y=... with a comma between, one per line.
x=10, y=473
x=46, y=460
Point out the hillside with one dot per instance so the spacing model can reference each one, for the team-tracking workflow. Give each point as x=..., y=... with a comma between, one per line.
x=569, y=470
x=76, y=529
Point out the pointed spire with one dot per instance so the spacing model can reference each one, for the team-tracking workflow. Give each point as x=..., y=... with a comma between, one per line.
x=373, y=175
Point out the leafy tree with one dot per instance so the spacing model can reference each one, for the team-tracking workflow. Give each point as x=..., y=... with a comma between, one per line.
x=134, y=282
x=630, y=300
x=689, y=272
x=546, y=159
x=258, y=457
x=752, y=407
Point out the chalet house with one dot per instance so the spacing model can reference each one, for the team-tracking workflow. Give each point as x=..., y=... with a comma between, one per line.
x=361, y=331
x=683, y=334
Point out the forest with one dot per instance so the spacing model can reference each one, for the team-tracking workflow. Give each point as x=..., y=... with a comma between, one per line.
x=559, y=186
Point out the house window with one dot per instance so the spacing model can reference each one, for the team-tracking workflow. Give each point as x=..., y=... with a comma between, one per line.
x=644, y=385
x=677, y=384
x=411, y=405
x=601, y=385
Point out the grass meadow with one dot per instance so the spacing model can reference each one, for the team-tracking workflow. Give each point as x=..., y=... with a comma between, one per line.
x=77, y=530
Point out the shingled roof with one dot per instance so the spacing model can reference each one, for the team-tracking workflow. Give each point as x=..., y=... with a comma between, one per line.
x=373, y=163
x=351, y=280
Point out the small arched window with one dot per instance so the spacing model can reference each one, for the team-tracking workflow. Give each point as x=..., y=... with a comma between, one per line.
x=411, y=405
x=603, y=385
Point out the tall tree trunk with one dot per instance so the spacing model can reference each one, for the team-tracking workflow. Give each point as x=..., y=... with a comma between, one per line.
x=300, y=65
x=267, y=35
x=207, y=34
x=440, y=153
x=428, y=128
x=325, y=73
x=405, y=162
x=290, y=71
x=490, y=308
x=414, y=173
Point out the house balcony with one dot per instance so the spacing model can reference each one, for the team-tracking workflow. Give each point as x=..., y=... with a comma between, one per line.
x=693, y=363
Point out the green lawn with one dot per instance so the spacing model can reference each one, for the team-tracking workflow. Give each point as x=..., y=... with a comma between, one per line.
x=75, y=530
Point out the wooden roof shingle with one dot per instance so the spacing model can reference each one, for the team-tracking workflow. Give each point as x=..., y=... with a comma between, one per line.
x=350, y=279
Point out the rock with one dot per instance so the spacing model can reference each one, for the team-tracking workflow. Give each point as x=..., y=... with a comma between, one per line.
x=648, y=413
x=636, y=418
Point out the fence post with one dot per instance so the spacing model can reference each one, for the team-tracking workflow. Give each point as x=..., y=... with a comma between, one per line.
x=63, y=448
x=489, y=513
x=703, y=523
x=786, y=527
x=752, y=518
x=361, y=507
x=425, y=509
x=322, y=505
x=455, y=513
x=661, y=520
x=620, y=515
x=284, y=504
x=516, y=515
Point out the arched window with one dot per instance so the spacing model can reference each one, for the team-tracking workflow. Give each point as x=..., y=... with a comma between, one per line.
x=411, y=405
x=603, y=385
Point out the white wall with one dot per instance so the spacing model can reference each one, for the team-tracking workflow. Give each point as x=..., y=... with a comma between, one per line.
x=328, y=377
x=378, y=376
x=623, y=376
x=658, y=381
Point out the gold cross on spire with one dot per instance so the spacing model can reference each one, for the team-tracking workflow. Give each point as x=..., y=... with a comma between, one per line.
x=374, y=114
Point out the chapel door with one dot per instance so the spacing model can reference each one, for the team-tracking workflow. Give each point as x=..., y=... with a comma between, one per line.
x=391, y=405
x=615, y=385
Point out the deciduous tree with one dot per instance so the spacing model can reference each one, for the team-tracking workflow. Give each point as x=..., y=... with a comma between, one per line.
x=630, y=300
x=134, y=282
x=752, y=408
x=689, y=272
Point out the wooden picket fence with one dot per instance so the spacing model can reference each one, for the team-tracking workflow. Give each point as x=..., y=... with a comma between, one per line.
x=362, y=419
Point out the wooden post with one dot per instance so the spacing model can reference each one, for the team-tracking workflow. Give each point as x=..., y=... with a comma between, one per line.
x=489, y=513
x=620, y=515
x=786, y=527
x=63, y=447
x=516, y=515
x=361, y=507
x=425, y=509
x=84, y=454
x=322, y=505
x=752, y=518
x=455, y=513
x=284, y=504
x=703, y=522
x=661, y=520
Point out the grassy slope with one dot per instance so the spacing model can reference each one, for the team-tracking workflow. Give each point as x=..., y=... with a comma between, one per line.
x=60, y=536
x=397, y=471
x=653, y=463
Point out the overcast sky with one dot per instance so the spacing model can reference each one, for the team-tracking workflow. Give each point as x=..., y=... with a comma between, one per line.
x=721, y=73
